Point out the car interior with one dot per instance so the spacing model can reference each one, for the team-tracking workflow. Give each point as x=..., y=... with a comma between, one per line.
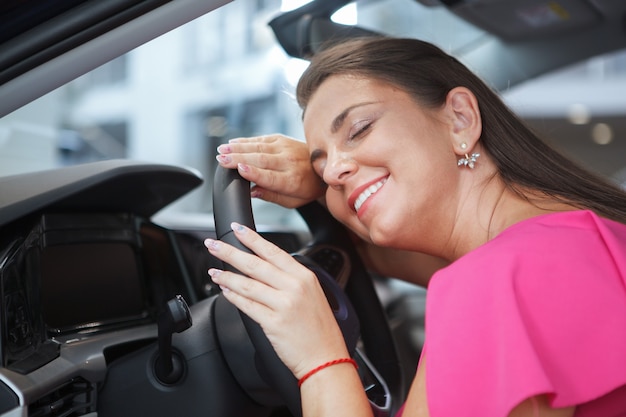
x=106, y=309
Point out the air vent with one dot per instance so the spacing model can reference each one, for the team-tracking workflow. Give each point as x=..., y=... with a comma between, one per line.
x=75, y=398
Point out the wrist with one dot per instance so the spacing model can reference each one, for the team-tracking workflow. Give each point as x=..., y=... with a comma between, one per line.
x=326, y=365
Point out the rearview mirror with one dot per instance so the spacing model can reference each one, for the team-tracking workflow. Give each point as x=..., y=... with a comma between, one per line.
x=304, y=31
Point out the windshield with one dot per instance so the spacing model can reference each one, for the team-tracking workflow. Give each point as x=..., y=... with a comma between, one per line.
x=176, y=98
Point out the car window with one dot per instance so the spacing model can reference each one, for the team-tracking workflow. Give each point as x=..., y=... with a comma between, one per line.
x=176, y=98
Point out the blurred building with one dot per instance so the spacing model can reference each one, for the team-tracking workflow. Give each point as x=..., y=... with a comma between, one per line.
x=175, y=99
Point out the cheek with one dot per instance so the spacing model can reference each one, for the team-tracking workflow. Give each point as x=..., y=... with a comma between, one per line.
x=336, y=204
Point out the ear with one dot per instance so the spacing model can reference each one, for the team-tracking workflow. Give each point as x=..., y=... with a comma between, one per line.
x=465, y=121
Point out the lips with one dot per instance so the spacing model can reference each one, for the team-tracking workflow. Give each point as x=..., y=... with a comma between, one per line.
x=361, y=194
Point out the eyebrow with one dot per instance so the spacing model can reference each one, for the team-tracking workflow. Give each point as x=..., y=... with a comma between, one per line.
x=338, y=121
x=336, y=125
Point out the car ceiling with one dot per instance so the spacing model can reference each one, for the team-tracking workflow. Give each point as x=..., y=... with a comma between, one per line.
x=511, y=41
x=76, y=37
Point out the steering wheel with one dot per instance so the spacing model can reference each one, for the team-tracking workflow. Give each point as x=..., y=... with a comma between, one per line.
x=330, y=254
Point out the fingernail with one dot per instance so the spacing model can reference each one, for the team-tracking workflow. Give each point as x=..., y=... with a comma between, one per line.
x=243, y=167
x=224, y=149
x=256, y=194
x=237, y=228
x=214, y=272
x=211, y=244
x=223, y=159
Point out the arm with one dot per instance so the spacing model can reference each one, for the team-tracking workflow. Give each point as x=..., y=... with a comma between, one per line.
x=336, y=391
x=538, y=407
x=287, y=301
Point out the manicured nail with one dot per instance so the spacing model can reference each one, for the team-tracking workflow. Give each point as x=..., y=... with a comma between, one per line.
x=223, y=159
x=256, y=194
x=214, y=272
x=211, y=244
x=243, y=167
x=224, y=148
x=237, y=228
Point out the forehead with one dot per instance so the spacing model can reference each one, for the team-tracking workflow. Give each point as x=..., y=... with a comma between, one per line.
x=340, y=92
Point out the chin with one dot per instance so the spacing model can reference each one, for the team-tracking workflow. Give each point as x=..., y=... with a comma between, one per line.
x=382, y=237
x=392, y=235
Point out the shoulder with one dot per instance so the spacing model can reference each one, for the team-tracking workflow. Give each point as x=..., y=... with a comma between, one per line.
x=519, y=310
x=565, y=228
x=573, y=230
x=578, y=242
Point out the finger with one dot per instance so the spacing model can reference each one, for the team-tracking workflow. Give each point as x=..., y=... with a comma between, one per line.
x=267, y=251
x=253, y=139
x=248, y=264
x=257, y=308
x=250, y=148
x=268, y=179
x=228, y=156
x=276, y=198
x=243, y=290
x=260, y=144
x=264, y=159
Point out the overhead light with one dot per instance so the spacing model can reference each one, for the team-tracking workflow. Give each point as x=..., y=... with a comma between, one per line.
x=578, y=114
x=602, y=134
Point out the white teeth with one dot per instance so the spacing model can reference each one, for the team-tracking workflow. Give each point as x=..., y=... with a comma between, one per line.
x=367, y=193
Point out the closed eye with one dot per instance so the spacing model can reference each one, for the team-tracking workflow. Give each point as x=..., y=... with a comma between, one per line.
x=361, y=129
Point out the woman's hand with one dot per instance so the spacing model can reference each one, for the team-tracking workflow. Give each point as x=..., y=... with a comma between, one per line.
x=279, y=167
x=284, y=297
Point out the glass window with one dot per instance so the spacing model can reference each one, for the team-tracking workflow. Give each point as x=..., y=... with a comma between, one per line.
x=174, y=99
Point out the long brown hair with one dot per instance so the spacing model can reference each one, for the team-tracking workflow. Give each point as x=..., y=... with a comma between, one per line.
x=523, y=160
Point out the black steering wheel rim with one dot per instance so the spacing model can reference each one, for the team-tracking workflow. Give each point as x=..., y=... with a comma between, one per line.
x=231, y=202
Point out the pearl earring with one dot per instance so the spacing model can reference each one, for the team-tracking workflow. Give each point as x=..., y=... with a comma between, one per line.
x=468, y=160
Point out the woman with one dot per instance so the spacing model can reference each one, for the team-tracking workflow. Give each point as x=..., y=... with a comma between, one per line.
x=528, y=315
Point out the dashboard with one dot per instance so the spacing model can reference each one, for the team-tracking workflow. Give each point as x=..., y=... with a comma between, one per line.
x=84, y=276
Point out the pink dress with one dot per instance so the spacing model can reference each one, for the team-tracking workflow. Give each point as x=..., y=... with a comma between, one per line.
x=540, y=309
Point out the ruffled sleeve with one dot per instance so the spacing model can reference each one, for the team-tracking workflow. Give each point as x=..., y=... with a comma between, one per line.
x=541, y=309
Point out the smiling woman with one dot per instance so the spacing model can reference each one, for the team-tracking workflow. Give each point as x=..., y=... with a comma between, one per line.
x=416, y=161
x=534, y=245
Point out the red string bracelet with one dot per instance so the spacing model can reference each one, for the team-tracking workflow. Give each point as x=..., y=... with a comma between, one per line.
x=326, y=365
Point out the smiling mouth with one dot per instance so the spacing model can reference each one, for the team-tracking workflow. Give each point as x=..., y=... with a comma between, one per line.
x=367, y=193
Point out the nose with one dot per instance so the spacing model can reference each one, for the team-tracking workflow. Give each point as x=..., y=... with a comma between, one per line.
x=339, y=167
